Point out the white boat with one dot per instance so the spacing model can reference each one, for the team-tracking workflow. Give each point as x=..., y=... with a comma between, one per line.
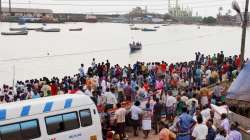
x=49, y=30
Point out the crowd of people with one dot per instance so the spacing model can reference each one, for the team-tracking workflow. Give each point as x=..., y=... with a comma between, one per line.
x=177, y=91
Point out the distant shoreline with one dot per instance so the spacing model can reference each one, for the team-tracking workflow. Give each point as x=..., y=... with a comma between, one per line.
x=171, y=23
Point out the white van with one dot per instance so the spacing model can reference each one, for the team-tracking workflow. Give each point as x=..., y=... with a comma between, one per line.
x=62, y=117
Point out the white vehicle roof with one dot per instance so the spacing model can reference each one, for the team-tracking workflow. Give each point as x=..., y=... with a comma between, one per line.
x=42, y=105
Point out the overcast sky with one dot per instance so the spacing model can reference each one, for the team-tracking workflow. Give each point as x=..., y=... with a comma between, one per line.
x=203, y=7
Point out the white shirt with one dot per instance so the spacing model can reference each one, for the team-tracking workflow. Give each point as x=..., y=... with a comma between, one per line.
x=205, y=114
x=88, y=93
x=170, y=101
x=110, y=98
x=81, y=70
x=189, y=103
x=184, y=99
x=104, y=85
x=225, y=124
x=219, y=137
x=208, y=73
x=135, y=112
x=120, y=115
x=200, y=132
x=1, y=93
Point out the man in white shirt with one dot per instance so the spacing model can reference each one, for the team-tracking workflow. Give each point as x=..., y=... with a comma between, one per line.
x=120, y=114
x=110, y=99
x=136, y=112
x=208, y=73
x=205, y=113
x=81, y=70
x=88, y=92
x=170, y=106
x=200, y=130
x=225, y=123
x=93, y=63
x=190, y=102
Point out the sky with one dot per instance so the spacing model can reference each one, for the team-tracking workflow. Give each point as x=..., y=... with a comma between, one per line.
x=203, y=7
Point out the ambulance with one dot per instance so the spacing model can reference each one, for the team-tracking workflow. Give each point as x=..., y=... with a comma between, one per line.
x=62, y=117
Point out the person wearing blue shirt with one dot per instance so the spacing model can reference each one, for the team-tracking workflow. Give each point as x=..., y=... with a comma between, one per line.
x=35, y=95
x=184, y=125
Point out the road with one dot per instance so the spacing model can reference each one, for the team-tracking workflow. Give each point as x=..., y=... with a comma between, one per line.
x=151, y=136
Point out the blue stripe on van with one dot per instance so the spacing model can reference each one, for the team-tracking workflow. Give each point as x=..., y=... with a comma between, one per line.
x=2, y=114
x=25, y=111
x=68, y=103
x=48, y=107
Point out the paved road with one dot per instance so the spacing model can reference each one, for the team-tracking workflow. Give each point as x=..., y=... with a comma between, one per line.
x=152, y=136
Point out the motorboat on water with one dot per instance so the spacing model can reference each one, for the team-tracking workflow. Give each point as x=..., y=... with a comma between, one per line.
x=148, y=30
x=24, y=29
x=18, y=29
x=49, y=30
x=34, y=29
x=135, y=46
x=75, y=29
x=167, y=24
x=135, y=28
x=15, y=33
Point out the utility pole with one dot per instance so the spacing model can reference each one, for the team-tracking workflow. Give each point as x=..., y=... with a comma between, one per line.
x=0, y=10
x=243, y=39
x=10, y=7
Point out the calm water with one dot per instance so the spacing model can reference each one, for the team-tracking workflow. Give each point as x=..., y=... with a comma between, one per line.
x=103, y=41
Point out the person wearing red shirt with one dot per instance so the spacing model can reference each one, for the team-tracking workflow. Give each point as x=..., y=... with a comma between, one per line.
x=163, y=67
x=237, y=62
x=145, y=85
x=54, y=88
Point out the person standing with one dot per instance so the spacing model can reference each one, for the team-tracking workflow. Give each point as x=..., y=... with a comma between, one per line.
x=200, y=130
x=146, y=120
x=110, y=99
x=234, y=133
x=184, y=125
x=81, y=70
x=120, y=114
x=225, y=123
x=211, y=131
x=170, y=106
x=221, y=134
x=157, y=114
x=136, y=112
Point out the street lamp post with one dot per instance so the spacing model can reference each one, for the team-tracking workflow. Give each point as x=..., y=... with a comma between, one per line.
x=0, y=10
x=244, y=26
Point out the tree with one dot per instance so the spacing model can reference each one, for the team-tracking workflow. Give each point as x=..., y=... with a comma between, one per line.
x=137, y=12
x=220, y=10
x=209, y=20
x=229, y=12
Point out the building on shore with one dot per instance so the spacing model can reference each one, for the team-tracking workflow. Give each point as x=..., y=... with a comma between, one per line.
x=27, y=12
x=226, y=20
x=71, y=17
x=238, y=18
